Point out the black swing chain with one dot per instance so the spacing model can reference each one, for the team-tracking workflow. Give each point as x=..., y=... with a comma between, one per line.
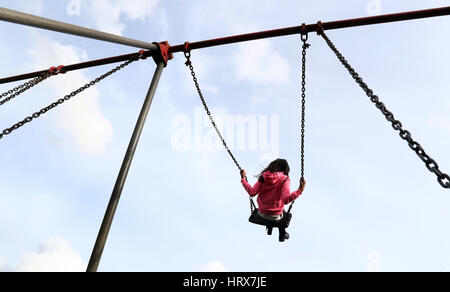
x=200, y=94
x=305, y=46
x=188, y=63
x=431, y=164
x=16, y=91
x=66, y=98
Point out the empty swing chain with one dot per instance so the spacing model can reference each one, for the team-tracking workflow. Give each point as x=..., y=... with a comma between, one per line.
x=65, y=98
x=16, y=91
x=431, y=164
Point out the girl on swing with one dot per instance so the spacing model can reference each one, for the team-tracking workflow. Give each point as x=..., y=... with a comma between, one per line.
x=273, y=188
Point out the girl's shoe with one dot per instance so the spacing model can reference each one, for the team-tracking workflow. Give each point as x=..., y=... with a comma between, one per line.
x=284, y=236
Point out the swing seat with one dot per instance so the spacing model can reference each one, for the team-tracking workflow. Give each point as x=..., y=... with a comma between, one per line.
x=283, y=223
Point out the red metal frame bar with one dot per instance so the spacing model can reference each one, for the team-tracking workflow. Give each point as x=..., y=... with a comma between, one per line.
x=166, y=51
x=313, y=27
x=78, y=66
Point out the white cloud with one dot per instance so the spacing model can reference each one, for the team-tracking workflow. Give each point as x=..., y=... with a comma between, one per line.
x=4, y=267
x=255, y=61
x=54, y=255
x=440, y=122
x=260, y=97
x=214, y=266
x=374, y=262
x=31, y=6
x=206, y=68
x=138, y=9
x=259, y=62
x=81, y=117
x=107, y=13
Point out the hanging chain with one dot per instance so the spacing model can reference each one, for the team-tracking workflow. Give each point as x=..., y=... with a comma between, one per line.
x=66, y=98
x=252, y=205
x=305, y=46
x=200, y=94
x=16, y=91
x=188, y=63
x=443, y=178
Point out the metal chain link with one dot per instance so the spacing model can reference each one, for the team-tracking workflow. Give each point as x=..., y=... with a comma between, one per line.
x=65, y=98
x=432, y=166
x=305, y=46
x=16, y=91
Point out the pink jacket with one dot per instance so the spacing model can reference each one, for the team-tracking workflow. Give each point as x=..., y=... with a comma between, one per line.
x=274, y=193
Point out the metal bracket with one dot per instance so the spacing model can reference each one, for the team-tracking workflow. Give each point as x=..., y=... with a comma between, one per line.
x=164, y=54
x=57, y=70
x=304, y=33
x=319, y=28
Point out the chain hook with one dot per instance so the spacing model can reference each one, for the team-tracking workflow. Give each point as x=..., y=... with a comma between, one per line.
x=53, y=71
x=187, y=53
x=60, y=69
x=304, y=33
x=142, y=55
x=56, y=70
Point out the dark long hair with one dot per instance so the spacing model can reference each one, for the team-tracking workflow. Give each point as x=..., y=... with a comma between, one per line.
x=279, y=165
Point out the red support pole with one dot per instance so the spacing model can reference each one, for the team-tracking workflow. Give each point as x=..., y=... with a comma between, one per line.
x=313, y=27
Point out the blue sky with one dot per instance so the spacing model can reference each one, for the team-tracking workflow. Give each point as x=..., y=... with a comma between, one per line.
x=370, y=203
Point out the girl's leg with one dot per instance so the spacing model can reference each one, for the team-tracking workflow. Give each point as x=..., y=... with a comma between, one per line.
x=283, y=234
